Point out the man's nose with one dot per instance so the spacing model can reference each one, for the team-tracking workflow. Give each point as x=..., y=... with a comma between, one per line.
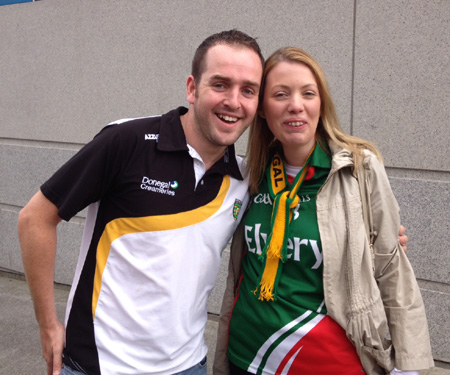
x=232, y=99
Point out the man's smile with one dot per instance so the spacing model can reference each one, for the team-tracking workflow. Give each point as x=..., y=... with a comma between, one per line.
x=227, y=118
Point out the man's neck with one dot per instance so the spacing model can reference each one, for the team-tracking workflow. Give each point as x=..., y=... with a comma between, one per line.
x=209, y=153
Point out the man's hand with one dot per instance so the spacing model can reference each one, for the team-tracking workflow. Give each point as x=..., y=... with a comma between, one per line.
x=403, y=238
x=52, y=341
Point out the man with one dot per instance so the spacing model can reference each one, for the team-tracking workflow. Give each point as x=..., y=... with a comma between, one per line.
x=164, y=195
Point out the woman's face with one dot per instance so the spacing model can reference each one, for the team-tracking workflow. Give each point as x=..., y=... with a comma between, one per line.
x=291, y=107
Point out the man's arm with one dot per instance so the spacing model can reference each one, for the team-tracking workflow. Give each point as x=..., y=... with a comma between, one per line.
x=37, y=234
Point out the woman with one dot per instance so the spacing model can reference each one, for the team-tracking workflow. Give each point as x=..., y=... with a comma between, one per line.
x=308, y=296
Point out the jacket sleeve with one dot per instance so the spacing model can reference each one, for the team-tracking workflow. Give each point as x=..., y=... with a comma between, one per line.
x=395, y=277
x=221, y=366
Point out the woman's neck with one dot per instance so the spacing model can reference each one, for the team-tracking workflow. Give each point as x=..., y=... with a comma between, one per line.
x=296, y=157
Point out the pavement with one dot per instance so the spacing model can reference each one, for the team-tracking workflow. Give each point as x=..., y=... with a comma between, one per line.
x=20, y=349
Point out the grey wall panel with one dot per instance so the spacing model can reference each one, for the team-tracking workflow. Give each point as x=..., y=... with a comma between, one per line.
x=71, y=67
x=425, y=213
x=437, y=306
x=25, y=168
x=74, y=66
x=10, y=256
x=402, y=80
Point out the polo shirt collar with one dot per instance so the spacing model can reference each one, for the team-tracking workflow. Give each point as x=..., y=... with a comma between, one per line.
x=321, y=158
x=172, y=138
x=171, y=134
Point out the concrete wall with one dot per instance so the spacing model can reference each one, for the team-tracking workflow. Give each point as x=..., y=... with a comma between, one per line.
x=67, y=68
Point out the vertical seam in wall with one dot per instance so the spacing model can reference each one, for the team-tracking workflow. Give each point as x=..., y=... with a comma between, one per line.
x=352, y=94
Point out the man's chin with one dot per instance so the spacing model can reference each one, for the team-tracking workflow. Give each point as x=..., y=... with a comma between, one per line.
x=227, y=139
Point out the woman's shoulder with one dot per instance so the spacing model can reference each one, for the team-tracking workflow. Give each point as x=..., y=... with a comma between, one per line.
x=370, y=160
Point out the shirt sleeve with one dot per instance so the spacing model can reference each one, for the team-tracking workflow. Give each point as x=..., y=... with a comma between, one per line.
x=88, y=175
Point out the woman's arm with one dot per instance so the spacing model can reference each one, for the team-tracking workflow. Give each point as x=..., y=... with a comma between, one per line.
x=395, y=277
x=221, y=366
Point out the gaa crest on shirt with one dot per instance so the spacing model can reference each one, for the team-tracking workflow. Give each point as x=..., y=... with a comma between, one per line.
x=237, y=208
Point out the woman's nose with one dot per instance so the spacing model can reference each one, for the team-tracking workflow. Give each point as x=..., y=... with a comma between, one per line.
x=295, y=104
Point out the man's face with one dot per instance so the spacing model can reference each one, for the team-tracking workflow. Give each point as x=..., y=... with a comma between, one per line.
x=225, y=98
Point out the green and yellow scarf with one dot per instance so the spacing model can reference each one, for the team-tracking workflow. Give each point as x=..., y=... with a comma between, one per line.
x=283, y=204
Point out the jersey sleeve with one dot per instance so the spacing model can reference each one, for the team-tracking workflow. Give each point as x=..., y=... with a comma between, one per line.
x=88, y=175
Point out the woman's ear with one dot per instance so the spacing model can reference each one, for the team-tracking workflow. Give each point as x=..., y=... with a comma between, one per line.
x=190, y=89
x=261, y=113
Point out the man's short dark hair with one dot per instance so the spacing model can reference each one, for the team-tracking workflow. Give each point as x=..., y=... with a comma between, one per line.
x=232, y=38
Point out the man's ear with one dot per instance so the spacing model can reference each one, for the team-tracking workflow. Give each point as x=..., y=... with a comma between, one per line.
x=261, y=113
x=190, y=89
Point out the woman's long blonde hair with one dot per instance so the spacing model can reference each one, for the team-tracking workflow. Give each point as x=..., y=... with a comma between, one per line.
x=261, y=141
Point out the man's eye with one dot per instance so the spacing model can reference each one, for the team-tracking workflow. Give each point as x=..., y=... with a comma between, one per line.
x=249, y=92
x=219, y=85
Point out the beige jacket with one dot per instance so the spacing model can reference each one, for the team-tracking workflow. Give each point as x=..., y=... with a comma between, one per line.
x=367, y=297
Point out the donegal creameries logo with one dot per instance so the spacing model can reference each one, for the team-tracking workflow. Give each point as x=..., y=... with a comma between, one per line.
x=160, y=187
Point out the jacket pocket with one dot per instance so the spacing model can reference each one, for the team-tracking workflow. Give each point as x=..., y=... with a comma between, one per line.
x=383, y=261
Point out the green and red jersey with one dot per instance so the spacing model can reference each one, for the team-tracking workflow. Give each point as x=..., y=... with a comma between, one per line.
x=292, y=334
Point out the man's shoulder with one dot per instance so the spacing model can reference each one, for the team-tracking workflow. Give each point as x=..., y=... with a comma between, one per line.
x=152, y=123
x=130, y=130
x=135, y=122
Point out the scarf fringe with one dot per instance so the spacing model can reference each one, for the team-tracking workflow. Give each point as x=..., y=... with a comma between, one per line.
x=266, y=286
